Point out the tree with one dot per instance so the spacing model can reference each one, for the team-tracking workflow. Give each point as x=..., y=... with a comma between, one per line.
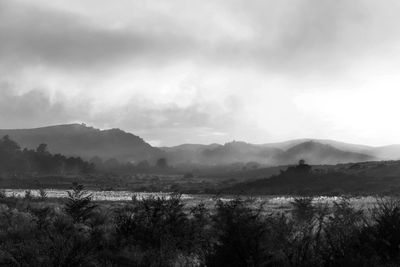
x=97, y=161
x=303, y=209
x=111, y=164
x=10, y=158
x=42, y=149
x=241, y=231
x=162, y=163
x=9, y=146
x=79, y=203
x=303, y=167
x=143, y=165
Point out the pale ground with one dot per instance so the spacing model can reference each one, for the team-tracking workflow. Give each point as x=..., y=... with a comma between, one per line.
x=270, y=203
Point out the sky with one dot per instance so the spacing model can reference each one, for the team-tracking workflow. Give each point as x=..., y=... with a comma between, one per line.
x=183, y=71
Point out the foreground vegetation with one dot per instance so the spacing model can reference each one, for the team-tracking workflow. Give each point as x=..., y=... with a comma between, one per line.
x=161, y=232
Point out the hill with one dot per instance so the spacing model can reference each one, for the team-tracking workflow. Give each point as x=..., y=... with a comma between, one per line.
x=360, y=178
x=337, y=144
x=317, y=153
x=241, y=152
x=391, y=152
x=271, y=155
x=187, y=153
x=86, y=142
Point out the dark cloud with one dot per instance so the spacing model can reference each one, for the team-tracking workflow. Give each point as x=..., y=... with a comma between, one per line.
x=29, y=109
x=277, y=35
x=35, y=35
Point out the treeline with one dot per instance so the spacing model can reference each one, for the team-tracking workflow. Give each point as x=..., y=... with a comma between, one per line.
x=113, y=165
x=163, y=232
x=15, y=160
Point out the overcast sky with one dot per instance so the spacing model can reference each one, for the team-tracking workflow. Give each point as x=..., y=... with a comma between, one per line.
x=181, y=71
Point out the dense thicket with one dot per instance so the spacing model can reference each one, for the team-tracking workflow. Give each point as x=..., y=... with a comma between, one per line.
x=163, y=232
x=15, y=160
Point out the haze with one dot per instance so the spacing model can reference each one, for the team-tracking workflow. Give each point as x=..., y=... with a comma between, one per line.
x=204, y=71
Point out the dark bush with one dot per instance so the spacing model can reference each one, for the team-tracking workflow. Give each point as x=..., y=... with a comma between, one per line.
x=303, y=209
x=157, y=228
x=79, y=203
x=240, y=232
x=386, y=229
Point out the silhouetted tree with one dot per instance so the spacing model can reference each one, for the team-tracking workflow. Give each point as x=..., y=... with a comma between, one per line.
x=12, y=160
x=162, y=163
x=79, y=203
x=303, y=208
x=9, y=146
x=42, y=149
x=143, y=165
x=97, y=161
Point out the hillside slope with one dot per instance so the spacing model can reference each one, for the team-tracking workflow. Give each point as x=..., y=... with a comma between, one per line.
x=86, y=142
x=317, y=153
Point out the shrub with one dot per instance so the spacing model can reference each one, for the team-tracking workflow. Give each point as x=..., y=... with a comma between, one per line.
x=28, y=195
x=386, y=229
x=240, y=232
x=161, y=231
x=79, y=204
x=42, y=194
x=303, y=209
x=342, y=230
x=156, y=224
x=3, y=194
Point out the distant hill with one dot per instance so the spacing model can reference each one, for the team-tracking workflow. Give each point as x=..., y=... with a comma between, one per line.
x=317, y=153
x=273, y=154
x=86, y=142
x=240, y=152
x=339, y=145
x=216, y=154
x=391, y=152
x=187, y=153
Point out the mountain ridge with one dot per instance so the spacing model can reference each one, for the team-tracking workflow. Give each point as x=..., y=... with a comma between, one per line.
x=81, y=140
x=87, y=142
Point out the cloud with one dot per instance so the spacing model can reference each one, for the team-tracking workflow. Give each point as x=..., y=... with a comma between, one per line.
x=41, y=36
x=29, y=109
x=195, y=122
x=168, y=123
x=194, y=71
x=275, y=35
